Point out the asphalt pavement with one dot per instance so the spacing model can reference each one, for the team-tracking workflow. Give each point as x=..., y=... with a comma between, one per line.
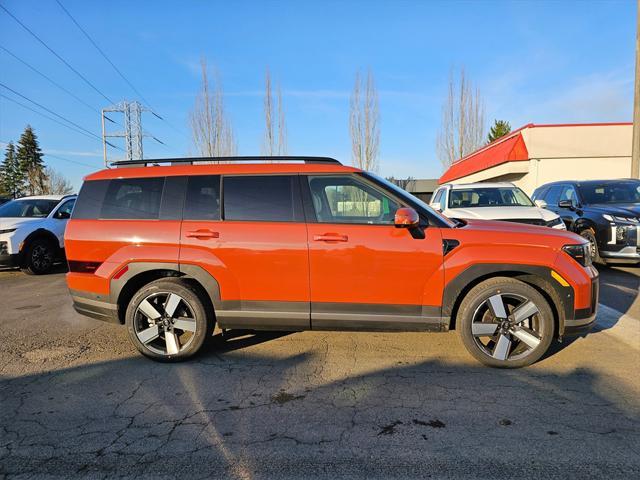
x=78, y=401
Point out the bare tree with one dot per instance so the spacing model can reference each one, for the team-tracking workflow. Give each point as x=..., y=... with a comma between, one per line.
x=56, y=183
x=211, y=128
x=463, y=127
x=364, y=119
x=275, y=136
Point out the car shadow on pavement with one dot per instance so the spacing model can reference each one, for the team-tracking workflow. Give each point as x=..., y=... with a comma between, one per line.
x=619, y=289
x=249, y=414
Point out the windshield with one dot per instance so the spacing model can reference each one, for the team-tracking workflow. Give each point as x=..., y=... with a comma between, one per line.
x=488, y=197
x=27, y=208
x=618, y=192
x=403, y=194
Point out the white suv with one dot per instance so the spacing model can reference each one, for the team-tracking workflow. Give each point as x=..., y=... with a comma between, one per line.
x=32, y=231
x=492, y=201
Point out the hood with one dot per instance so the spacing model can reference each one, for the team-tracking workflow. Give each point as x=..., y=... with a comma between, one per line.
x=511, y=227
x=7, y=223
x=617, y=209
x=502, y=213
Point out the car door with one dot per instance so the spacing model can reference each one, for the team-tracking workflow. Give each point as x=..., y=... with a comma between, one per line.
x=569, y=215
x=59, y=218
x=248, y=232
x=364, y=272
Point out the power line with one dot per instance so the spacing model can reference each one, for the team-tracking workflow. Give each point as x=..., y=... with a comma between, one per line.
x=45, y=116
x=104, y=55
x=56, y=54
x=68, y=92
x=71, y=161
x=77, y=128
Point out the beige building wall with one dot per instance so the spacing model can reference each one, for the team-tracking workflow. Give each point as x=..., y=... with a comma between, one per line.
x=565, y=153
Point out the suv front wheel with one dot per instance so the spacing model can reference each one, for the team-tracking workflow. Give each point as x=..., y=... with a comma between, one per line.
x=38, y=257
x=167, y=320
x=506, y=323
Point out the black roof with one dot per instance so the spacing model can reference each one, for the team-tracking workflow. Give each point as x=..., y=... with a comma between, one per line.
x=589, y=182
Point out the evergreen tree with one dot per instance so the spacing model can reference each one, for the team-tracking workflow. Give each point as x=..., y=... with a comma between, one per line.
x=11, y=175
x=499, y=129
x=31, y=163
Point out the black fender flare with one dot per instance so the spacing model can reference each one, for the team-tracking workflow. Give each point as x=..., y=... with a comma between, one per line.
x=122, y=285
x=538, y=276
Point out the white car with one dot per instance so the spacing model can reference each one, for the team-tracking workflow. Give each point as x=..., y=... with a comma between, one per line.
x=492, y=201
x=32, y=231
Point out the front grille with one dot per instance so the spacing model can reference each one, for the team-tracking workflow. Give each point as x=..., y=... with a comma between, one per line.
x=3, y=248
x=528, y=221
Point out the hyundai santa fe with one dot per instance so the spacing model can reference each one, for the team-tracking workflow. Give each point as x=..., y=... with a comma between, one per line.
x=170, y=248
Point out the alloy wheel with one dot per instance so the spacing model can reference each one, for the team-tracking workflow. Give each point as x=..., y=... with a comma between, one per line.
x=506, y=327
x=41, y=257
x=164, y=323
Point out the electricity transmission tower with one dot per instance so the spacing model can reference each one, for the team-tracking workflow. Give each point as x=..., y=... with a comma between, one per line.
x=132, y=134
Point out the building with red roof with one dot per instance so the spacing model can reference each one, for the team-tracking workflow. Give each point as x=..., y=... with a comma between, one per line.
x=537, y=154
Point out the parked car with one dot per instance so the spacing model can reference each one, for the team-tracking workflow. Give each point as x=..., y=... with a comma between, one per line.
x=492, y=201
x=4, y=200
x=32, y=232
x=170, y=250
x=605, y=212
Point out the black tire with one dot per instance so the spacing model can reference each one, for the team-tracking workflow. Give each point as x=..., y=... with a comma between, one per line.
x=589, y=234
x=39, y=256
x=475, y=320
x=190, y=309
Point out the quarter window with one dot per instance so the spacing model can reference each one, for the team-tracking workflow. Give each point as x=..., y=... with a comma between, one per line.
x=345, y=199
x=266, y=198
x=203, y=198
x=133, y=198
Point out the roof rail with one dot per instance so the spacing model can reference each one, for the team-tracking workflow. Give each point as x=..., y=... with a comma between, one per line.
x=254, y=159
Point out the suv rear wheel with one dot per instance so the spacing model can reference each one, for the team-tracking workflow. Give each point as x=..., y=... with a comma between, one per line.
x=167, y=320
x=506, y=323
x=38, y=257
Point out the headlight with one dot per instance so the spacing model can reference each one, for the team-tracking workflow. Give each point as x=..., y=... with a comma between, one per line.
x=555, y=222
x=614, y=218
x=8, y=230
x=580, y=253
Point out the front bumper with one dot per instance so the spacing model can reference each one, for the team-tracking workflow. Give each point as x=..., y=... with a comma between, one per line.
x=10, y=260
x=623, y=245
x=585, y=318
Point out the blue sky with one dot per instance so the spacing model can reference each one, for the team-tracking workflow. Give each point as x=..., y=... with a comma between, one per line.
x=541, y=62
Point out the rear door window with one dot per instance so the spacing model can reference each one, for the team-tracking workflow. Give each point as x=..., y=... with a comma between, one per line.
x=133, y=198
x=262, y=198
x=203, y=198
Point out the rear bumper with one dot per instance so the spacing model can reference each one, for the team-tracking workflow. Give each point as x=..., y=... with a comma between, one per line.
x=94, y=306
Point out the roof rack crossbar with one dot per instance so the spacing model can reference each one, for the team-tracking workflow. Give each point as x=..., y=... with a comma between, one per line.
x=192, y=160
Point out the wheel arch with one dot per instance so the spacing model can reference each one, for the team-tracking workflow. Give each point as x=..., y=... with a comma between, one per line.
x=138, y=274
x=561, y=299
x=40, y=233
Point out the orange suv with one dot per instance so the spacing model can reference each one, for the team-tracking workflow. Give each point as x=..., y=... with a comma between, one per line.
x=305, y=243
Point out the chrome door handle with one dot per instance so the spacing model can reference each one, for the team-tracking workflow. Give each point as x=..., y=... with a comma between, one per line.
x=330, y=237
